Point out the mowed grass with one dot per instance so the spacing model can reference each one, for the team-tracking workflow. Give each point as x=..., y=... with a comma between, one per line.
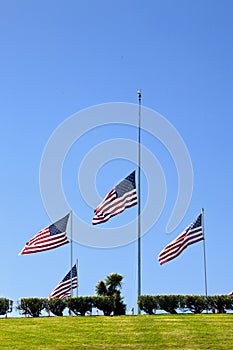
x=207, y=331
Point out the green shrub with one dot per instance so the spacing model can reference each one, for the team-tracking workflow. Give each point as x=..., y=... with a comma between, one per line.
x=104, y=303
x=168, y=303
x=229, y=302
x=6, y=306
x=56, y=306
x=80, y=305
x=218, y=303
x=171, y=303
x=32, y=306
x=147, y=303
x=195, y=303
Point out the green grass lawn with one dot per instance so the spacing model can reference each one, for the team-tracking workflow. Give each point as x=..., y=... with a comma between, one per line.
x=207, y=331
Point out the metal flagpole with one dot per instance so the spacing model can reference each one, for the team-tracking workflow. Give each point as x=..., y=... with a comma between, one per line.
x=204, y=253
x=71, y=250
x=139, y=195
x=77, y=275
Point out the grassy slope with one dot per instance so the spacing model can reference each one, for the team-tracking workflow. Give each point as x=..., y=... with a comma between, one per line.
x=125, y=332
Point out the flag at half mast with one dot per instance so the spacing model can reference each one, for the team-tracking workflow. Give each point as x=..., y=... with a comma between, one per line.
x=69, y=282
x=50, y=237
x=192, y=234
x=122, y=196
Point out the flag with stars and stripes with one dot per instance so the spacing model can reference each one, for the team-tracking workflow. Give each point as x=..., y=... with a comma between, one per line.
x=122, y=196
x=50, y=237
x=64, y=288
x=192, y=234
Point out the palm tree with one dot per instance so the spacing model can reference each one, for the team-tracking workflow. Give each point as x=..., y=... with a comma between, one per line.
x=112, y=288
x=113, y=283
x=101, y=288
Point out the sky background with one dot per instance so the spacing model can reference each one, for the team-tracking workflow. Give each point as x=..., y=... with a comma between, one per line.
x=58, y=58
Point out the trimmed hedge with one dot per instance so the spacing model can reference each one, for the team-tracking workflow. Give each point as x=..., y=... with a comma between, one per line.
x=78, y=305
x=170, y=303
x=56, y=306
x=185, y=303
x=6, y=306
x=32, y=306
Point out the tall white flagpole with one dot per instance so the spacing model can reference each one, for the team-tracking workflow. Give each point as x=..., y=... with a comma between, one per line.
x=204, y=253
x=139, y=195
x=71, y=251
x=77, y=275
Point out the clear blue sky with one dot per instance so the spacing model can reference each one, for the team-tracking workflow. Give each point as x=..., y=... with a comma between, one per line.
x=58, y=58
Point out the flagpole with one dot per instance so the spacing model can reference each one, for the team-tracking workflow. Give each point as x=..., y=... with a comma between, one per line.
x=204, y=253
x=77, y=275
x=71, y=250
x=139, y=195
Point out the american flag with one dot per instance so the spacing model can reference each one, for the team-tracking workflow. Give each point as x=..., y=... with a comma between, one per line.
x=69, y=282
x=122, y=196
x=50, y=237
x=192, y=234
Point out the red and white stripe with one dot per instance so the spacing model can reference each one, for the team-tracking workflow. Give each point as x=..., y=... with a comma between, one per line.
x=63, y=289
x=176, y=247
x=113, y=205
x=43, y=241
